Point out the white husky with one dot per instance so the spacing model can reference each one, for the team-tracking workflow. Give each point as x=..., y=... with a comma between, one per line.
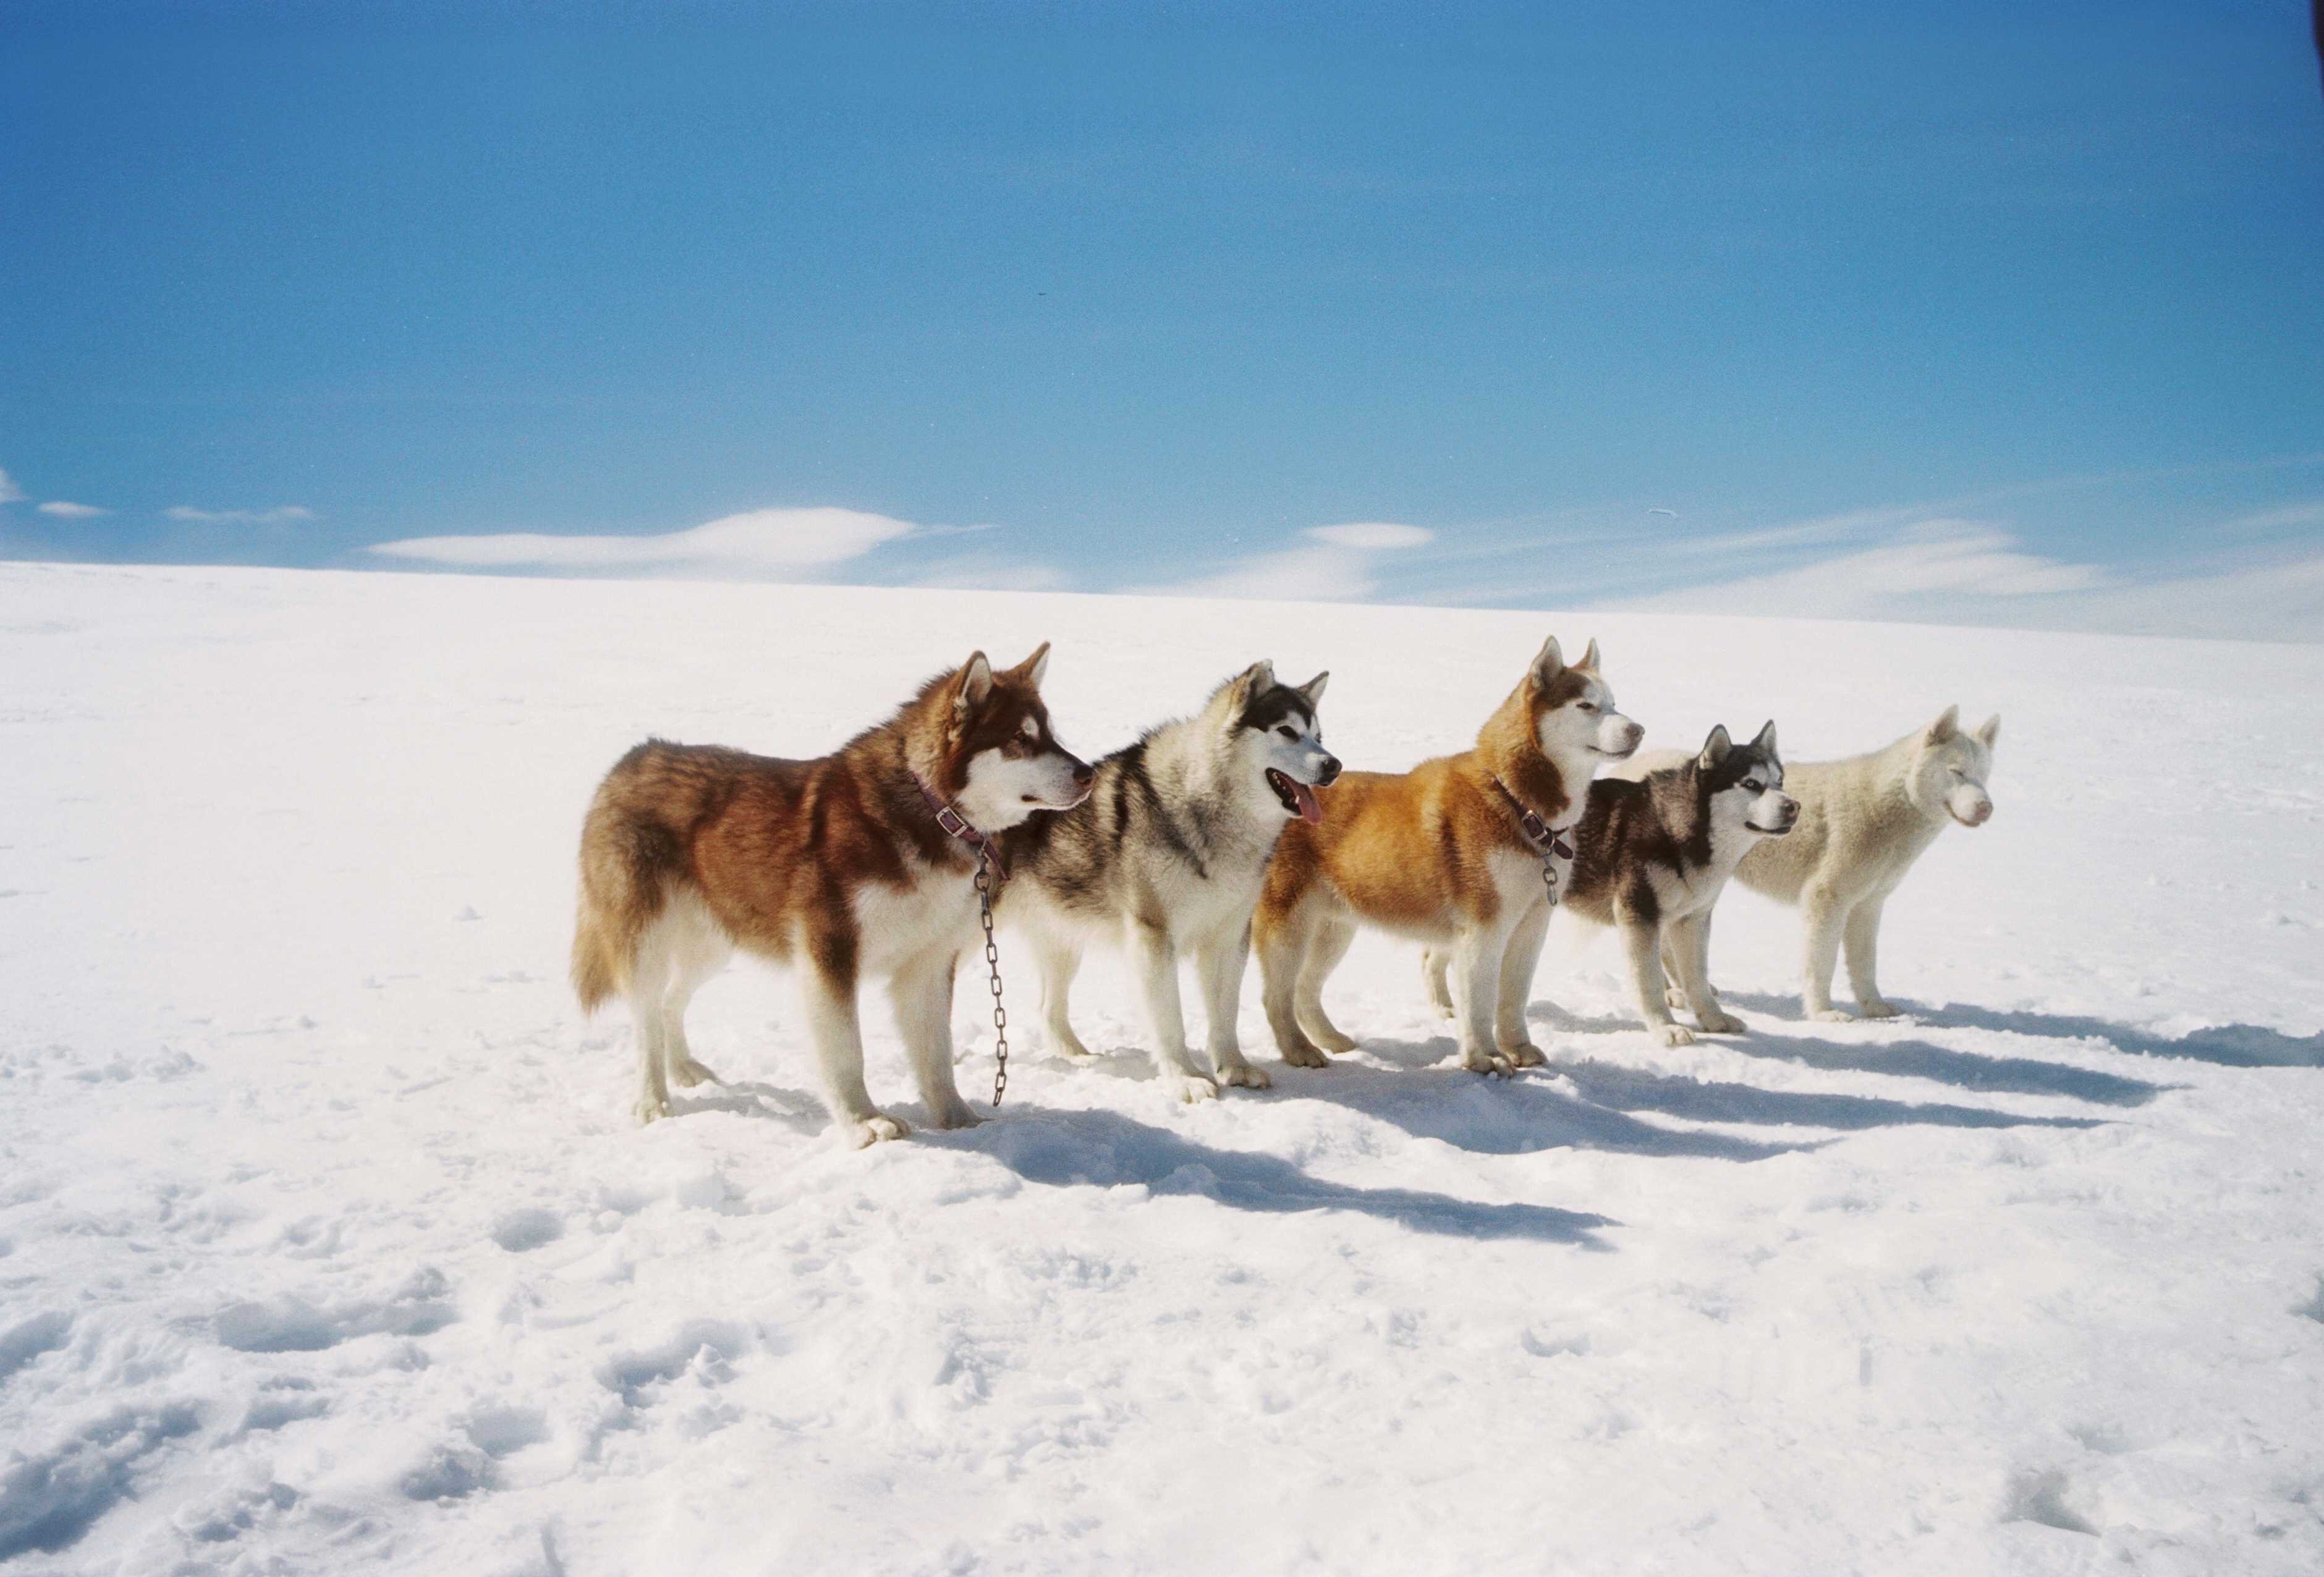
x=1863, y=821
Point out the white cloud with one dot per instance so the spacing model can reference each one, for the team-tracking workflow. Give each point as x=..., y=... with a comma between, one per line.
x=757, y=543
x=66, y=510
x=1372, y=536
x=9, y=491
x=1341, y=567
x=283, y=515
x=1966, y=572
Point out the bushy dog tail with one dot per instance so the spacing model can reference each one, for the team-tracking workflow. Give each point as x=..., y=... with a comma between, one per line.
x=597, y=971
x=629, y=857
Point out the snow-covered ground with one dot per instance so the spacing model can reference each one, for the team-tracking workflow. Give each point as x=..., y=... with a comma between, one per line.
x=326, y=1244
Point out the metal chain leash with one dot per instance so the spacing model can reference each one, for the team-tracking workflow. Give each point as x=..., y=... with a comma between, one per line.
x=992, y=965
x=1549, y=877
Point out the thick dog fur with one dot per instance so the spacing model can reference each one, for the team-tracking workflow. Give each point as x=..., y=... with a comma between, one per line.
x=836, y=864
x=1437, y=855
x=1655, y=851
x=1863, y=821
x=1165, y=860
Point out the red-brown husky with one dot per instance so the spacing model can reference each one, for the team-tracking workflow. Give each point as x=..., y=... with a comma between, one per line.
x=840, y=866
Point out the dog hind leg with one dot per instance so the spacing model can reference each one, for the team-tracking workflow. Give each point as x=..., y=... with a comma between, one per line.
x=697, y=955
x=1822, y=920
x=1283, y=943
x=1863, y=946
x=649, y=975
x=1058, y=963
x=1332, y=939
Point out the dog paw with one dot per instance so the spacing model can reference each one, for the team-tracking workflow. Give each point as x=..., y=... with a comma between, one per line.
x=1832, y=1016
x=690, y=1073
x=1070, y=1047
x=650, y=1107
x=1878, y=1008
x=1522, y=1054
x=1716, y=1022
x=1675, y=999
x=871, y=1129
x=1305, y=1056
x=1194, y=1089
x=1245, y=1076
x=1493, y=1065
x=957, y=1115
x=1331, y=1039
x=1674, y=1035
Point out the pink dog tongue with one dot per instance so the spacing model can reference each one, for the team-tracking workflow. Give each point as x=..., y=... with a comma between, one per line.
x=1311, y=810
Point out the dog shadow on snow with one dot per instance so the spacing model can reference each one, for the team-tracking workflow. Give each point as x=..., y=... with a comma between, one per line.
x=1095, y=1146
x=2235, y=1046
x=1609, y=1093
x=1915, y=1059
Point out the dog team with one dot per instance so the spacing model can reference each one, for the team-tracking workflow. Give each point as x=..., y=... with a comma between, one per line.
x=1232, y=829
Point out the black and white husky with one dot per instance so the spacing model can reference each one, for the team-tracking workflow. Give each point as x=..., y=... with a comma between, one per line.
x=1164, y=859
x=1655, y=851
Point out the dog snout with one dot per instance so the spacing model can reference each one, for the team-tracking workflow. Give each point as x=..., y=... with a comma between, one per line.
x=1328, y=773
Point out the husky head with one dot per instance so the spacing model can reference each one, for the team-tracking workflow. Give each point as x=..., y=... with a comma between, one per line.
x=1573, y=715
x=1273, y=732
x=1950, y=767
x=1001, y=763
x=1744, y=784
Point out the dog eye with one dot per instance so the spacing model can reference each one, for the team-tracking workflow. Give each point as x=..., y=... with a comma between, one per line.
x=1286, y=730
x=1589, y=706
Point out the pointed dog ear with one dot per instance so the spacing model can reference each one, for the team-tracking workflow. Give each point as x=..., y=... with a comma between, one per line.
x=1031, y=670
x=1590, y=658
x=975, y=684
x=1257, y=679
x=1947, y=724
x=1715, y=748
x=1767, y=740
x=1549, y=662
x=1314, y=688
x=1989, y=730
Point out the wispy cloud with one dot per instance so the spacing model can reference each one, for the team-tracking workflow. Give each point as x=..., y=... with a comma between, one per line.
x=9, y=491
x=282, y=515
x=1331, y=564
x=65, y=510
x=1970, y=572
x=757, y=544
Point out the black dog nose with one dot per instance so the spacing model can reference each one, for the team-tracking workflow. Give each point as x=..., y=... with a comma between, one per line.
x=1084, y=774
x=1330, y=773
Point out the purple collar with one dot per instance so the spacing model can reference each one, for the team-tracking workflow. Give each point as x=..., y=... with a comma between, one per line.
x=986, y=846
x=1545, y=839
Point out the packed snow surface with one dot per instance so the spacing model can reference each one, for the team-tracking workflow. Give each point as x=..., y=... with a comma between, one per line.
x=327, y=1244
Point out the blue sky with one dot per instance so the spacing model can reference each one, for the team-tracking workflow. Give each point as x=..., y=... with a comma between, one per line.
x=1992, y=313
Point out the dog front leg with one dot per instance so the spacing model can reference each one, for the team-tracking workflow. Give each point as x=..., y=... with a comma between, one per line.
x=828, y=983
x=1518, y=963
x=1823, y=921
x=1688, y=942
x=922, y=994
x=1157, y=972
x=1220, y=963
x=1644, y=943
x=1864, y=959
x=1477, y=954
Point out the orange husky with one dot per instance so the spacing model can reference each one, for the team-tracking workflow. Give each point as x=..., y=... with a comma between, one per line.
x=1450, y=854
x=853, y=864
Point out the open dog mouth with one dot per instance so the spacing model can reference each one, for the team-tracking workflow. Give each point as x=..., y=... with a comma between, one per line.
x=1298, y=798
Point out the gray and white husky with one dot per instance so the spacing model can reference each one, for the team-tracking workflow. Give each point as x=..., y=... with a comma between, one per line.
x=1863, y=821
x=1654, y=851
x=1164, y=858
